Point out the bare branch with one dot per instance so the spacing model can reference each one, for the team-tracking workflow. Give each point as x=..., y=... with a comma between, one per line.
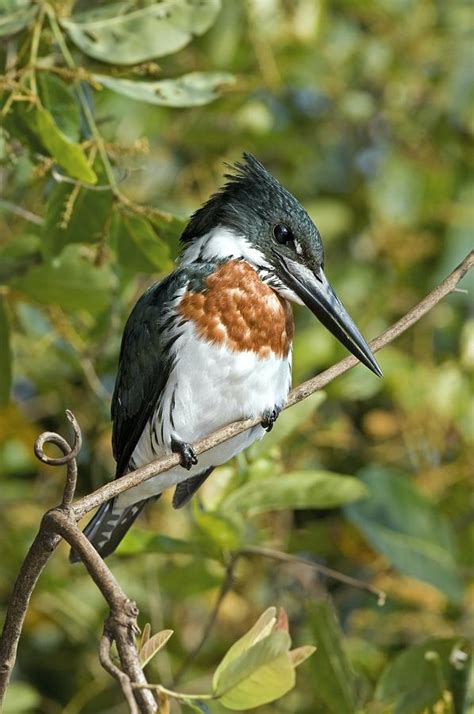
x=328, y=572
x=38, y=555
x=121, y=625
x=134, y=478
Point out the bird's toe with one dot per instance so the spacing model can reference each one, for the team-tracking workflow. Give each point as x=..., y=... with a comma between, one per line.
x=186, y=452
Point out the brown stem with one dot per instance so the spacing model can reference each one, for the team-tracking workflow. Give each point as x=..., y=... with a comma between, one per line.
x=134, y=478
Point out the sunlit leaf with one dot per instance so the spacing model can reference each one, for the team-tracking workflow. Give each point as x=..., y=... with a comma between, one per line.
x=153, y=645
x=60, y=100
x=300, y=489
x=70, y=281
x=441, y=665
x=262, y=628
x=39, y=123
x=301, y=654
x=190, y=90
x=330, y=666
x=5, y=355
x=15, y=15
x=259, y=675
x=152, y=31
x=400, y=523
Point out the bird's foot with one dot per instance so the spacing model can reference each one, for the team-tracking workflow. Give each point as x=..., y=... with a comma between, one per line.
x=269, y=417
x=186, y=452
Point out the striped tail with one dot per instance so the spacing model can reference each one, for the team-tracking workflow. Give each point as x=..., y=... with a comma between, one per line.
x=109, y=525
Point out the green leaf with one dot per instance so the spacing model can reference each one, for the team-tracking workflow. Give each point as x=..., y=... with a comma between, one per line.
x=70, y=281
x=40, y=123
x=140, y=233
x=301, y=654
x=190, y=90
x=419, y=677
x=300, y=489
x=15, y=15
x=5, y=355
x=259, y=675
x=402, y=525
x=153, y=31
x=153, y=645
x=330, y=666
x=60, y=100
x=78, y=218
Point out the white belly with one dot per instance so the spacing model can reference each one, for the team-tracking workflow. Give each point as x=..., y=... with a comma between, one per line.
x=208, y=388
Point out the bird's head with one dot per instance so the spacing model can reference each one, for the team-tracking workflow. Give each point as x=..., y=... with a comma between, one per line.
x=252, y=217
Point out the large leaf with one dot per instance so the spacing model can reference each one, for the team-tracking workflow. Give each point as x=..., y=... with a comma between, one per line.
x=330, y=666
x=78, y=217
x=15, y=15
x=70, y=281
x=300, y=489
x=422, y=675
x=37, y=125
x=400, y=523
x=5, y=355
x=153, y=31
x=259, y=675
x=190, y=90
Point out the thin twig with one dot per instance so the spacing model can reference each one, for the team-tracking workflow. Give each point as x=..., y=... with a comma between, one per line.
x=21, y=212
x=134, y=478
x=329, y=572
x=223, y=590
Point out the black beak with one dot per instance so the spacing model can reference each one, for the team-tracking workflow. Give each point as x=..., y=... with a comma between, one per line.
x=317, y=294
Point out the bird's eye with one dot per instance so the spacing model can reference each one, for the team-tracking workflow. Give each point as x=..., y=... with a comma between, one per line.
x=282, y=233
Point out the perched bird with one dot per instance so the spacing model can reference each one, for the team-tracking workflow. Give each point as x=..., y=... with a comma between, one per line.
x=211, y=343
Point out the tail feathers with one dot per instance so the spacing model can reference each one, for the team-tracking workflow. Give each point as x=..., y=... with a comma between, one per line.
x=109, y=525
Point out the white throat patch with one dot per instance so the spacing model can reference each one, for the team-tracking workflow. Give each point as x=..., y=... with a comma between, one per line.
x=222, y=242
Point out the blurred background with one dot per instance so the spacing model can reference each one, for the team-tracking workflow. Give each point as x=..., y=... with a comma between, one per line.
x=363, y=110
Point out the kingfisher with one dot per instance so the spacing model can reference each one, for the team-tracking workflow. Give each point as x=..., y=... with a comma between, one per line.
x=212, y=343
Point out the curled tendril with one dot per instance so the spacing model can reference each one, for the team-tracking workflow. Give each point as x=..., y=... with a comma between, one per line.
x=69, y=458
x=50, y=437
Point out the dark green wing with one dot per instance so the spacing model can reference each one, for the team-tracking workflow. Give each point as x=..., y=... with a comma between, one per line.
x=144, y=367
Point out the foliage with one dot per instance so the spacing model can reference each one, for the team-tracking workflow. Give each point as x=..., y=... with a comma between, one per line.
x=363, y=110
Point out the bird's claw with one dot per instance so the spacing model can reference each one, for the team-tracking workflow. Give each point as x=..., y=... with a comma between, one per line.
x=269, y=417
x=186, y=453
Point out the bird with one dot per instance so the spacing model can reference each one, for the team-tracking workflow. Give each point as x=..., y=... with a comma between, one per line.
x=212, y=342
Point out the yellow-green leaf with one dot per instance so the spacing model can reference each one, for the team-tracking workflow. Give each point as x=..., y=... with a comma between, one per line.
x=67, y=154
